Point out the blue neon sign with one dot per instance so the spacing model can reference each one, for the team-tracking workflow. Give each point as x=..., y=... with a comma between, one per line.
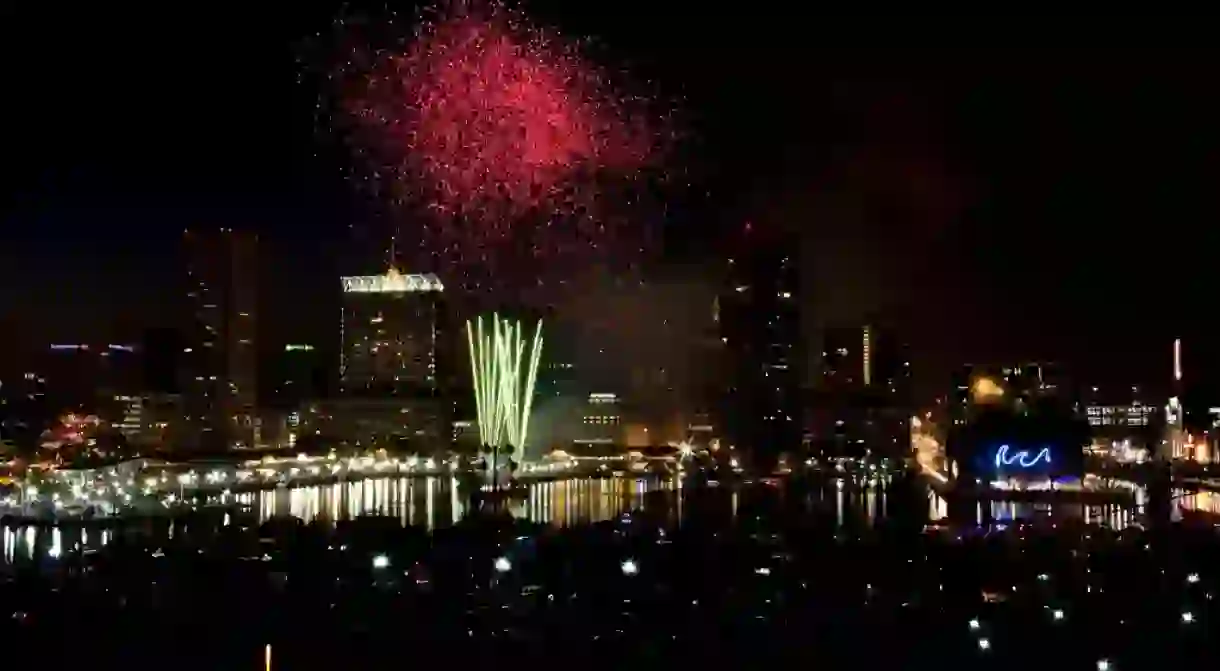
x=1006, y=457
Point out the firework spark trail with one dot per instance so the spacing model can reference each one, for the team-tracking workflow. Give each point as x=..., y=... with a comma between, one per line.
x=503, y=391
x=487, y=119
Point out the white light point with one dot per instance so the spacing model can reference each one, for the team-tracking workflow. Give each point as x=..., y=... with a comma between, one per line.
x=984, y=644
x=974, y=625
x=630, y=567
x=1103, y=665
x=503, y=565
x=381, y=561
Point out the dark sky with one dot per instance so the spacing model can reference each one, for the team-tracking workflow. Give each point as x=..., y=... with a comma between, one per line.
x=1005, y=190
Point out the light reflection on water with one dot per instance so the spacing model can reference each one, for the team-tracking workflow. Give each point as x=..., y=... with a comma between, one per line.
x=1113, y=515
x=434, y=502
x=429, y=502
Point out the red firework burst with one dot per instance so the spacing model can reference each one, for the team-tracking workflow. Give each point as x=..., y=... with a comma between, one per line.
x=487, y=120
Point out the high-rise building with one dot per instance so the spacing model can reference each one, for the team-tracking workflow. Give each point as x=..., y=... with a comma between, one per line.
x=391, y=327
x=864, y=399
x=219, y=353
x=392, y=368
x=299, y=376
x=760, y=332
x=865, y=357
x=843, y=361
x=162, y=354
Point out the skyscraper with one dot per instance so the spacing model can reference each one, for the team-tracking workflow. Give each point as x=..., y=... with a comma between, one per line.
x=391, y=369
x=760, y=328
x=300, y=376
x=865, y=357
x=864, y=399
x=220, y=364
x=390, y=330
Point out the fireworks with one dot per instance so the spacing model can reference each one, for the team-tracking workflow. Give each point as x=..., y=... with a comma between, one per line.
x=494, y=117
x=492, y=133
x=503, y=392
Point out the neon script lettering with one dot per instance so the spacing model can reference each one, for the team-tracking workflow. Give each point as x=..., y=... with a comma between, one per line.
x=1005, y=456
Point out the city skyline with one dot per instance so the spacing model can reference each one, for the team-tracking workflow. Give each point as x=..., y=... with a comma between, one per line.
x=1002, y=191
x=606, y=332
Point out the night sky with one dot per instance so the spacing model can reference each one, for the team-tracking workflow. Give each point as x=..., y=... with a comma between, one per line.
x=1016, y=193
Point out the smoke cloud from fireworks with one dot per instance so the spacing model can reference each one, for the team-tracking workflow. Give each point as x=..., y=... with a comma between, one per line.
x=485, y=118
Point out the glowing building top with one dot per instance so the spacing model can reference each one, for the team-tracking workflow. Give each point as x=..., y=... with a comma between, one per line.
x=393, y=282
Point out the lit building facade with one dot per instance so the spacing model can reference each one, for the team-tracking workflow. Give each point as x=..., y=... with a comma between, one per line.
x=1109, y=412
x=390, y=331
x=394, y=342
x=760, y=330
x=146, y=421
x=220, y=356
x=601, y=425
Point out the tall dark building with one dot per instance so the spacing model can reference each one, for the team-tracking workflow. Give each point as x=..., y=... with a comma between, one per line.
x=842, y=361
x=869, y=357
x=392, y=368
x=299, y=376
x=759, y=317
x=84, y=378
x=219, y=354
x=391, y=328
x=163, y=356
x=25, y=409
x=864, y=402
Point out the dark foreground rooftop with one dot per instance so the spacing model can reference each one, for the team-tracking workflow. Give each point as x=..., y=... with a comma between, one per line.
x=779, y=585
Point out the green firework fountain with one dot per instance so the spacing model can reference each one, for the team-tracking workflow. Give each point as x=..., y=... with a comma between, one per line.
x=504, y=366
